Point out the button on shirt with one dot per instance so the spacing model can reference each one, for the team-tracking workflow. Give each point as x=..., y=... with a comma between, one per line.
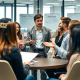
x=39, y=38
x=64, y=49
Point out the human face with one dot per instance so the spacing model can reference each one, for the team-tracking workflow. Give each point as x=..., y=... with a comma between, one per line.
x=59, y=28
x=17, y=28
x=62, y=25
x=39, y=22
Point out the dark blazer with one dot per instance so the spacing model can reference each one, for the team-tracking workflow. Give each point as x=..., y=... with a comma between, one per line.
x=15, y=60
x=46, y=38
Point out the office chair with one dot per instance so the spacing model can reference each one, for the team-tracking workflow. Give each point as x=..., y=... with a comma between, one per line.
x=74, y=73
x=6, y=72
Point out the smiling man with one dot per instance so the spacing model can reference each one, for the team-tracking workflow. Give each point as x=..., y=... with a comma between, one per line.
x=36, y=36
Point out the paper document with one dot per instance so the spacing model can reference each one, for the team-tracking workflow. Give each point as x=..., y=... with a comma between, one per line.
x=28, y=56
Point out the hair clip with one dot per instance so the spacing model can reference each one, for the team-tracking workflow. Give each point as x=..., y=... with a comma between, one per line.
x=3, y=25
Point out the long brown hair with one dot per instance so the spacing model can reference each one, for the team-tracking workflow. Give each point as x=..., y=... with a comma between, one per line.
x=12, y=38
x=19, y=33
x=9, y=40
x=73, y=24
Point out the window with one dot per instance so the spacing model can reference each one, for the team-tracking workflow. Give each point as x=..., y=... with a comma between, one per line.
x=31, y=9
x=20, y=10
x=46, y=10
x=8, y=12
x=1, y=12
x=69, y=9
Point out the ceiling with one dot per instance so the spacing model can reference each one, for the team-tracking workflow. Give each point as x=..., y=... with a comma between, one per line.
x=45, y=2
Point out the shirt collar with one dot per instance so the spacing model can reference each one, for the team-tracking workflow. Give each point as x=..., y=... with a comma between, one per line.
x=65, y=33
x=36, y=28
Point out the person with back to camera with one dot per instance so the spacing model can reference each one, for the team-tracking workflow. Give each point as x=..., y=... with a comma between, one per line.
x=58, y=41
x=10, y=52
x=74, y=54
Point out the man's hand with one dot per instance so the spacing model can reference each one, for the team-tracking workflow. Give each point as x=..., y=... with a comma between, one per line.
x=23, y=42
x=31, y=41
x=50, y=44
x=62, y=75
x=26, y=63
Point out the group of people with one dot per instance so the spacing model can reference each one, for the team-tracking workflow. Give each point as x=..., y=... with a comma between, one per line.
x=69, y=47
x=66, y=46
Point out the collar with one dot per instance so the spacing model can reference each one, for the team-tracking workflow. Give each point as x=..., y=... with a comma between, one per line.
x=36, y=28
x=65, y=33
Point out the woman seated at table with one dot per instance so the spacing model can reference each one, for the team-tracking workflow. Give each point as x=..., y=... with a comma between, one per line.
x=58, y=41
x=74, y=55
x=19, y=36
x=10, y=53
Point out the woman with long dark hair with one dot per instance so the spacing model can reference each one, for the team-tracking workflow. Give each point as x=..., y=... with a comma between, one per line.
x=10, y=52
x=58, y=41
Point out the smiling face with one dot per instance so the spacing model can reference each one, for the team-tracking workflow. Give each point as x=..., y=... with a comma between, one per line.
x=61, y=25
x=17, y=28
x=39, y=22
x=59, y=29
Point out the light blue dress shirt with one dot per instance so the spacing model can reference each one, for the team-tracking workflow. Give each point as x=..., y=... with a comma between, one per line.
x=39, y=38
x=64, y=49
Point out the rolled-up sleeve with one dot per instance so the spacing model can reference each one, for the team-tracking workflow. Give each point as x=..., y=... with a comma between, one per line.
x=64, y=49
x=61, y=52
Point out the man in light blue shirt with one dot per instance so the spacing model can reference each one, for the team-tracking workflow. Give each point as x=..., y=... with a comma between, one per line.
x=63, y=50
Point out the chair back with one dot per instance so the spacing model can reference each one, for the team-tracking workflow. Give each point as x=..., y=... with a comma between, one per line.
x=74, y=73
x=6, y=71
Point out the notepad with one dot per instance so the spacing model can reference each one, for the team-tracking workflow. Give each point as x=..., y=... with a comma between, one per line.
x=28, y=56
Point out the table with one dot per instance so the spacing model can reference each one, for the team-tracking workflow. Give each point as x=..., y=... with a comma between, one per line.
x=48, y=63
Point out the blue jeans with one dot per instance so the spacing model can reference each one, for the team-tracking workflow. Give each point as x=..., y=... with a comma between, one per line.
x=30, y=77
x=53, y=79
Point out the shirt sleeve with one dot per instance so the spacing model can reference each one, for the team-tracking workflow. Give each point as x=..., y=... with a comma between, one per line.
x=28, y=35
x=49, y=37
x=20, y=71
x=63, y=50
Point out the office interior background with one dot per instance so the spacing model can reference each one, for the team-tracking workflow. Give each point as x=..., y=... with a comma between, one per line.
x=13, y=8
